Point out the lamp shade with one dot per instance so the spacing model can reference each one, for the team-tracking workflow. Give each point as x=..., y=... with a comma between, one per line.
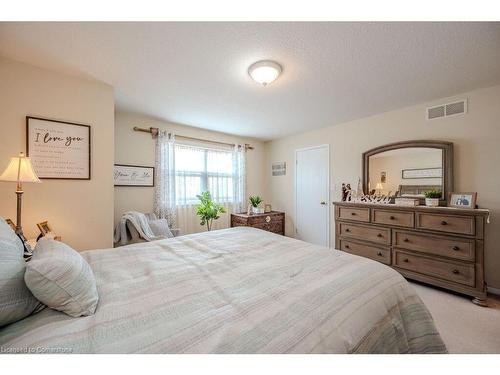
x=379, y=186
x=19, y=169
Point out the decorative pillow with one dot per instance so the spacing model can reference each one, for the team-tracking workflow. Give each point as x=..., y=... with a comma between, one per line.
x=16, y=301
x=160, y=227
x=60, y=278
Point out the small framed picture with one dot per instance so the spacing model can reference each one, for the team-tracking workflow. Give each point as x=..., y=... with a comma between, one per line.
x=267, y=208
x=11, y=223
x=134, y=175
x=44, y=228
x=462, y=200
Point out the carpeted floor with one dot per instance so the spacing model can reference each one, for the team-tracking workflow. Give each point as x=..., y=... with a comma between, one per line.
x=464, y=327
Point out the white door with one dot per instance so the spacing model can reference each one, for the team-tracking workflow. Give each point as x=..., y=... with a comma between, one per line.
x=312, y=188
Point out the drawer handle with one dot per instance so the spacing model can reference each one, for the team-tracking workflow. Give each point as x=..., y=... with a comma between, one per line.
x=347, y=230
x=379, y=235
x=444, y=222
x=353, y=213
x=406, y=260
x=456, y=272
x=379, y=253
x=347, y=247
x=392, y=218
x=456, y=248
x=406, y=240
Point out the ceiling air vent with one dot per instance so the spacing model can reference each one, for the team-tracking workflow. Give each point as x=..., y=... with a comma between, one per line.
x=446, y=110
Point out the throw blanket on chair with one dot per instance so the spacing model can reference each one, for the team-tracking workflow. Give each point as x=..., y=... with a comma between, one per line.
x=140, y=223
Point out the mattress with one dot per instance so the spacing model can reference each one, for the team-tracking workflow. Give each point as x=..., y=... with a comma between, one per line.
x=238, y=290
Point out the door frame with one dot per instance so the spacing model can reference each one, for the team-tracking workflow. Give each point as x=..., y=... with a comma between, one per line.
x=327, y=146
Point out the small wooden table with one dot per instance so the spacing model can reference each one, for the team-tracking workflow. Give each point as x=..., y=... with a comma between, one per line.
x=273, y=221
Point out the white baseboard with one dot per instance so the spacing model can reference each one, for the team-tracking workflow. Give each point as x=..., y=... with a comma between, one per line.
x=494, y=291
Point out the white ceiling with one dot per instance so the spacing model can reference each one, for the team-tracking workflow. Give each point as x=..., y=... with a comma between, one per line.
x=196, y=73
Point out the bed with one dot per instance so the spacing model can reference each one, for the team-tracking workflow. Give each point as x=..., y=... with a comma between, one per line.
x=238, y=290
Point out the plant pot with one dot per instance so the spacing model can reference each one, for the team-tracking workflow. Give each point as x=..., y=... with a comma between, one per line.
x=257, y=210
x=432, y=202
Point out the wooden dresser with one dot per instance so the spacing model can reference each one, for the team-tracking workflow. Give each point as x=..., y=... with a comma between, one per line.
x=273, y=221
x=437, y=245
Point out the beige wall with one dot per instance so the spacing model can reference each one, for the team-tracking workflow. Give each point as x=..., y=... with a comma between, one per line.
x=476, y=137
x=138, y=149
x=80, y=211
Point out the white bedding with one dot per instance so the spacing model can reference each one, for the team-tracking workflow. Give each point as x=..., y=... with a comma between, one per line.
x=239, y=290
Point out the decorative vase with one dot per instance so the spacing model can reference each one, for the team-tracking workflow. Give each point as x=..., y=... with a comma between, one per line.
x=432, y=202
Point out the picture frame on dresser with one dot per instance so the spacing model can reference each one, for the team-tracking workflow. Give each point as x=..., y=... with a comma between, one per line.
x=462, y=200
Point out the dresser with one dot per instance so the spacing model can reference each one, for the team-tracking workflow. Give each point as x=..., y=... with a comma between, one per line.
x=441, y=246
x=273, y=221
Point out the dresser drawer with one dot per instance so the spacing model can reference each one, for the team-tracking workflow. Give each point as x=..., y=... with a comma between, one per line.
x=461, y=273
x=355, y=214
x=367, y=233
x=398, y=218
x=369, y=251
x=446, y=223
x=457, y=248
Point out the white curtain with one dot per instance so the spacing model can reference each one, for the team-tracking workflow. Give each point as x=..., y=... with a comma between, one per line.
x=239, y=179
x=165, y=201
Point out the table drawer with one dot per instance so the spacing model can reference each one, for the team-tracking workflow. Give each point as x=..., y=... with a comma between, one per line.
x=398, y=218
x=382, y=255
x=367, y=233
x=457, y=248
x=261, y=219
x=355, y=214
x=461, y=273
x=446, y=223
x=274, y=227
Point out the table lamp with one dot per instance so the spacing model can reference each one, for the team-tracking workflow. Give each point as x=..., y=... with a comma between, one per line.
x=19, y=170
x=379, y=188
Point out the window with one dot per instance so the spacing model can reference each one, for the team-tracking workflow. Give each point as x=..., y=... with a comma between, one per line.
x=199, y=169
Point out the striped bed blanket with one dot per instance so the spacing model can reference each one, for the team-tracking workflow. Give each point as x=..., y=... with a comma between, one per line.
x=238, y=290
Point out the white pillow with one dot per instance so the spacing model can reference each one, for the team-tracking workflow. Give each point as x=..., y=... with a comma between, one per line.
x=160, y=228
x=16, y=301
x=60, y=278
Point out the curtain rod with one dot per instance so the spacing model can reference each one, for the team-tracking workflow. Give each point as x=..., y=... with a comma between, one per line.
x=154, y=134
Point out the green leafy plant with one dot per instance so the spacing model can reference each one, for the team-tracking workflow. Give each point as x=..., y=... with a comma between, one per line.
x=255, y=201
x=208, y=210
x=432, y=194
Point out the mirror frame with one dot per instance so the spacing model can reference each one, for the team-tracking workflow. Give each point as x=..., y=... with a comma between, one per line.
x=447, y=162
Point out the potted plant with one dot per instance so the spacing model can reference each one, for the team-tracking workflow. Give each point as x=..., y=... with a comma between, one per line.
x=208, y=210
x=255, y=201
x=432, y=198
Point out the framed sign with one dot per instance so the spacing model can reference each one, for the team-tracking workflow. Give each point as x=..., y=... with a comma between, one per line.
x=134, y=175
x=279, y=168
x=409, y=174
x=58, y=149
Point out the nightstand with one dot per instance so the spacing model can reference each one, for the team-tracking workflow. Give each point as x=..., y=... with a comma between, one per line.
x=273, y=221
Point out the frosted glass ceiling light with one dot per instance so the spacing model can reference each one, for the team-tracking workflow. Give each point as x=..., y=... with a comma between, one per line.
x=264, y=71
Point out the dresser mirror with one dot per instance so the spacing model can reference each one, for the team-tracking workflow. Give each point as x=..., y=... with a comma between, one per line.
x=409, y=169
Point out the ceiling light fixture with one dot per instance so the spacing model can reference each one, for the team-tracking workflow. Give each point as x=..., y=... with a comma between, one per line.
x=265, y=71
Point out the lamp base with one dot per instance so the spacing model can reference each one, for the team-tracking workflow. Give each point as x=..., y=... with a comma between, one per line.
x=19, y=228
